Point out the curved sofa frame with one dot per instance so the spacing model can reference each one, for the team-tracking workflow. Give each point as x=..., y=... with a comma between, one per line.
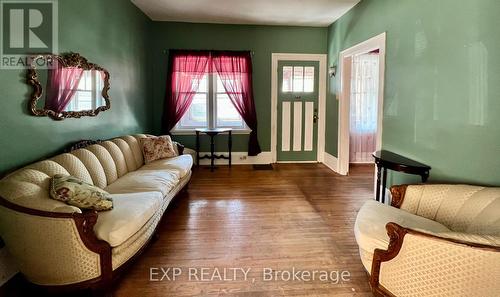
x=84, y=223
x=397, y=236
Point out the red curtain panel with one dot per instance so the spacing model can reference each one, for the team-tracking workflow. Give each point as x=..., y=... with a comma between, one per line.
x=62, y=83
x=186, y=69
x=235, y=72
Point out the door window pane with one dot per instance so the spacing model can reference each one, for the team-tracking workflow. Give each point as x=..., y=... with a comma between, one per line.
x=298, y=79
x=308, y=79
x=287, y=79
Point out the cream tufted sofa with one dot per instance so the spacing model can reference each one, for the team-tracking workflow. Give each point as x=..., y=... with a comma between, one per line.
x=435, y=240
x=56, y=244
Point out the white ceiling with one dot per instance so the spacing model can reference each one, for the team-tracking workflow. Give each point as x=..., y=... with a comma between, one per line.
x=252, y=12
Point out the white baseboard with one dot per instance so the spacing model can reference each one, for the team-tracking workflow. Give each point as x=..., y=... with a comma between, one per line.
x=7, y=266
x=239, y=158
x=331, y=162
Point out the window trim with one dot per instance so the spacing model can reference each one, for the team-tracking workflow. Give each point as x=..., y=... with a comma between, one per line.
x=211, y=112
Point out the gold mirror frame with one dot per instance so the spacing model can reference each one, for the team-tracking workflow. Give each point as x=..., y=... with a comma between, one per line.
x=66, y=60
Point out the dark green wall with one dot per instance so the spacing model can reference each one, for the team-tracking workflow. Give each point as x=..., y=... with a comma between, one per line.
x=112, y=33
x=442, y=91
x=263, y=40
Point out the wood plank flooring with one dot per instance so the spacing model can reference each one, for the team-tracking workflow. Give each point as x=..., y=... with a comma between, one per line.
x=296, y=216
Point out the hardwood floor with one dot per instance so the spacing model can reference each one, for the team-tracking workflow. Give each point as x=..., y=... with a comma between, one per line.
x=295, y=216
x=298, y=216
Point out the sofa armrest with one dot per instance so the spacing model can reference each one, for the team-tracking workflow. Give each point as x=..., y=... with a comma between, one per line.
x=54, y=248
x=424, y=199
x=416, y=261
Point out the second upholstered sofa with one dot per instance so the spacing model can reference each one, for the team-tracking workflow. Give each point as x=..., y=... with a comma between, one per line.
x=59, y=245
x=434, y=240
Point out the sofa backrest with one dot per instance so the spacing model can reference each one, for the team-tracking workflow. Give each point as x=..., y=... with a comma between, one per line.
x=98, y=164
x=461, y=208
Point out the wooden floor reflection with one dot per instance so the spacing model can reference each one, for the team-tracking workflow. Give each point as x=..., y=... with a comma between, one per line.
x=295, y=216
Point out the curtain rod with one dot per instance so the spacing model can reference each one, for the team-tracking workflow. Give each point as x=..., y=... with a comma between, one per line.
x=165, y=51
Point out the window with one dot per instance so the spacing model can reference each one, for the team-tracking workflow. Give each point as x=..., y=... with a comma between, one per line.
x=88, y=93
x=298, y=79
x=197, y=114
x=211, y=108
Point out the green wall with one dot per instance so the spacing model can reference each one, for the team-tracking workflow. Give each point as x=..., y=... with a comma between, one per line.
x=441, y=91
x=112, y=33
x=263, y=40
x=442, y=96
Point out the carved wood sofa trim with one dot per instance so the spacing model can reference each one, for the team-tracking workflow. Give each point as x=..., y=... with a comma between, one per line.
x=398, y=195
x=82, y=144
x=396, y=235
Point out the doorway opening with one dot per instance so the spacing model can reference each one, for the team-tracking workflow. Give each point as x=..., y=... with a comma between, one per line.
x=361, y=102
x=363, y=107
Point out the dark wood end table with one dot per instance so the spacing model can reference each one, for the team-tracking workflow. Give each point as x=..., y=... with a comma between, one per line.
x=389, y=160
x=212, y=133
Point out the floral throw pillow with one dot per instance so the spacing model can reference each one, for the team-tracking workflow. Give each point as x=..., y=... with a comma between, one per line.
x=156, y=148
x=74, y=191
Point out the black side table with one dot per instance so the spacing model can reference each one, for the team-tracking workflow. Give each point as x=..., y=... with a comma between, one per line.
x=389, y=160
x=212, y=133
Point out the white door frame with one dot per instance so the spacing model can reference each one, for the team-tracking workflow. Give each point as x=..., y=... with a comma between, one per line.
x=321, y=58
x=377, y=42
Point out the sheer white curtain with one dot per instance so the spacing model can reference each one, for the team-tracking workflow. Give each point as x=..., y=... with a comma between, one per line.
x=364, y=101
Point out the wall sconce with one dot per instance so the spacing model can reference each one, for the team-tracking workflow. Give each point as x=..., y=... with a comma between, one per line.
x=332, y=71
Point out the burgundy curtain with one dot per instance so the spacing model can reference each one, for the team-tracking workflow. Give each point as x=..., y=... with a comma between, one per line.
x=62, y=83
x=186, y=69
x=235, y=72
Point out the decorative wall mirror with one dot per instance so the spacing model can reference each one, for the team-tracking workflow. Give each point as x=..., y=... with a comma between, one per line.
x=67, y=86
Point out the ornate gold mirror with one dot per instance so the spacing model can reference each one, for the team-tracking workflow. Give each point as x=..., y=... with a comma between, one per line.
x=67, y=86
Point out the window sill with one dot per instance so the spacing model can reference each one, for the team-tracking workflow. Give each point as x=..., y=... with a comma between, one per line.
x=193, y=132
